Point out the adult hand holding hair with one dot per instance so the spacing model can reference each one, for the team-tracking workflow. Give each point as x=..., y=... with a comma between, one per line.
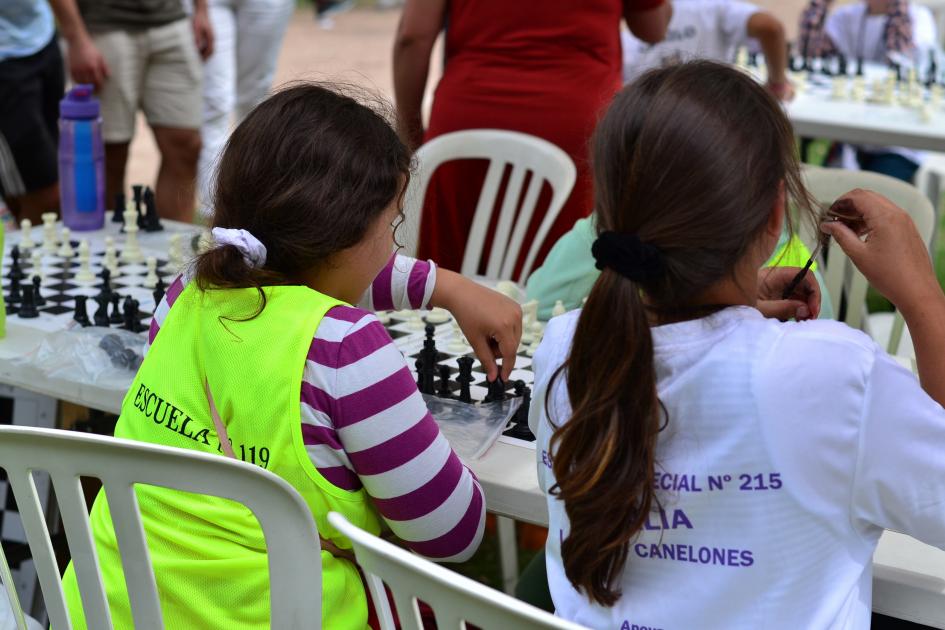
x=803, y=304
x=491, y=322
x=891, y=254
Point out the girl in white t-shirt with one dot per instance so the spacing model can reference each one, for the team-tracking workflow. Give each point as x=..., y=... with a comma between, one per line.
x=707, y=467
x=881, y=31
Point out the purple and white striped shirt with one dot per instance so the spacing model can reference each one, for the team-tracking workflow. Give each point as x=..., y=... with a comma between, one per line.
x=365, y=424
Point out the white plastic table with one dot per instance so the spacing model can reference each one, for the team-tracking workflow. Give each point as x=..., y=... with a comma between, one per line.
x=909, y=577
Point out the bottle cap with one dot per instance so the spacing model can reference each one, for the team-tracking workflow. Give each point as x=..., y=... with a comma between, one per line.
x=79, y=103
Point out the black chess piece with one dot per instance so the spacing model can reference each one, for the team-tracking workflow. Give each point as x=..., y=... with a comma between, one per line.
x=106, y=277
x=132, y=322
x=115, y=317
x=444, y=390
x=931, y=76
x=16, y=271
x=430, y=356
x=419, y=366
x=465, y=378
x=137, y=192
x=520, y=428
x=495, y=391
x=842, y=65
x=15, y=295
x=150, y=222
x=859, y=66
x=81, y=314
x=28, y=308
x=825, y=68
x=37, y=296
x=898, y=70
x=119, y=215
x=100, y=318
x=753, y=60
x=158, y=292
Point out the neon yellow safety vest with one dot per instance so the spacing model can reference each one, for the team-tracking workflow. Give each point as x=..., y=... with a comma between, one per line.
x=209, y=555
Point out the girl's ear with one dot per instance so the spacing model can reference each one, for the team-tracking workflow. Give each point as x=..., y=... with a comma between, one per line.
x=776, y=218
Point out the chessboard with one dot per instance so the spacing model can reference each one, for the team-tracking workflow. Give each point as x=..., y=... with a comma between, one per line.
x=53, y=278
x=410, y=330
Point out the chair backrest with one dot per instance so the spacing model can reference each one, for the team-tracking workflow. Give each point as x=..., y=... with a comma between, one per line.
x=843, y=280
x=455, y=599
x=288, y=527
x=525, y=154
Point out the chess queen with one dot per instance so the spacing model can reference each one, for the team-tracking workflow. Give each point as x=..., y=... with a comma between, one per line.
x=264, y=329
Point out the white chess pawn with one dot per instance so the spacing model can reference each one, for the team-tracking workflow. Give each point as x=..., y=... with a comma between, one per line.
x=858, y=93
x=415, y=322
x=925, y=113
x=383, y=317
x=36, y=263
x=839, y=91
x=533, y=347
x=509, y=289
x=150, y=281
x=110, y=261
x=84, y=275
x=132, y=250
x=458, y=345
x=558, y=309
x=65, y=250
x=438, y=316
x=50, y=242
x=26, y=238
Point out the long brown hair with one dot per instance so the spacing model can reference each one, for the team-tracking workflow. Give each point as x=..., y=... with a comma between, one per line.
x=307, y=173
x=689, y=159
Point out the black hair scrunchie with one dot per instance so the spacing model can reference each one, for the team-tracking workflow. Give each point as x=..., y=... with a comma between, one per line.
x=629, y=256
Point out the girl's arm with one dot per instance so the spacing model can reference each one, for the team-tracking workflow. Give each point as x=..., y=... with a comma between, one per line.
x=420, y=24
x=491, y=322
x=769, y=32
x=365, y=424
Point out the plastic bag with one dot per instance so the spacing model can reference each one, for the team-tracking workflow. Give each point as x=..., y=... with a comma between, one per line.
x=471, y=428
x=93, y=355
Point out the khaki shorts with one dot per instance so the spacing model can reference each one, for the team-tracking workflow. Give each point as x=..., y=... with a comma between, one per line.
x=157, y=70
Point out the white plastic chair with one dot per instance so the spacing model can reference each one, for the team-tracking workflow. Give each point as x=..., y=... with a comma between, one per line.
x=928, y=179
x=525, y=154
x=843, y=280
x=455, y=599
x=289, y=530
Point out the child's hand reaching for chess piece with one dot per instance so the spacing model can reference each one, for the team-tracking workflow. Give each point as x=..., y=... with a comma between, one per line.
x=491, y=321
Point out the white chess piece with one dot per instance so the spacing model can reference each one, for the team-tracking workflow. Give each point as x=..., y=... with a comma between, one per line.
x=858, y=93
x=438, y=316
x=150, y=281
x=509, y=289
x=458, y=345
x=205, y=242
x=383, y=317
x=839, y=89
x=741, y=58
x=84, y=275
x=50, y=242
x=936, y=94
x=132, y=250
x=558, y=309
x=26, y=240
x=65, y=250
x=110, y=261
x=415, y=322
x=533, y=347
x=175, y=256
x=36, y=263
x=925, y=113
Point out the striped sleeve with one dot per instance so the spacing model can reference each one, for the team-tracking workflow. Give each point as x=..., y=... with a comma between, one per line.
x=364, y=424
x=403, y=283
x=160, y=313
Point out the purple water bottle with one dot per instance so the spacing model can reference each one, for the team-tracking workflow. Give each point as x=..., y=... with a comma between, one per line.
x=81, y=161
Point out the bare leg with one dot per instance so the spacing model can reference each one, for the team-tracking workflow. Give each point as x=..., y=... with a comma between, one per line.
x=33, y=204
x=116, y=159
x=180, y=150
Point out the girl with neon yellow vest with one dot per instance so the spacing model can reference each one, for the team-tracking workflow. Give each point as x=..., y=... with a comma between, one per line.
x=308, y=196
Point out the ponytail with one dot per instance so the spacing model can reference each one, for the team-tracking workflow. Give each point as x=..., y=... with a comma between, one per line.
x=604, y=456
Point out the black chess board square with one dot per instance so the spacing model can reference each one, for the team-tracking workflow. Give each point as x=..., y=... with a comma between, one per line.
x=58, y=309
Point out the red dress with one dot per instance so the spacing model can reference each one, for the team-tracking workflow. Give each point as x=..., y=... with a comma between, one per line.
x=546, y=68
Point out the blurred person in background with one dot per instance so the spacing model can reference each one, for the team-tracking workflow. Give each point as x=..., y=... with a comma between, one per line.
x=32, y=81
x=148, y=55
x=541, y=68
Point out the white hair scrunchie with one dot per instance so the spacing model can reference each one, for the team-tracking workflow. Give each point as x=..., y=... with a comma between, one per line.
x=254, y=252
